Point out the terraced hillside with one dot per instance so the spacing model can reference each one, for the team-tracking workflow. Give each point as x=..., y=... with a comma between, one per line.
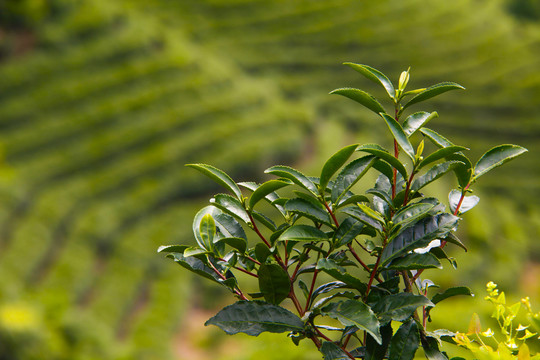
x=98, y=118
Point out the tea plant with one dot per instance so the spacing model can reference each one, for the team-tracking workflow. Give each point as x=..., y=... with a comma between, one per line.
x=510, y=342
x=348, y=260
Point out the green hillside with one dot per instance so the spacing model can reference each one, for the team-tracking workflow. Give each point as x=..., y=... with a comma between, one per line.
x=101, y=104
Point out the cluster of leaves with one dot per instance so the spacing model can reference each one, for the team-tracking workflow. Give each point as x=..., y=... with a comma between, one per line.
x=355, y=257
x=512, y=339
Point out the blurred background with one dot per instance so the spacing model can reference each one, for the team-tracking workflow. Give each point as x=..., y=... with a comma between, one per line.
x=103, y=102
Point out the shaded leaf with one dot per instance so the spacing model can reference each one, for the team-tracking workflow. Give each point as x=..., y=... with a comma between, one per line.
x=339, y=273
x=454, y=291
x=431, y=349
x=354, y=313
x=463, y=170
x=467, y=204
x=239, y=244
x=374, y=351
x=265, y=220
x=360, y=97
x=496, y=157
x=323, y=289
x=274, y=283
x=375, y=76
x=262, y=252
x=399, y=307
x=440, y=154
x=433, y=91
x=218, y=176
x=435, y=172
x=334, y=164
x=294, y=175
x=361, y=215
x=231, y=206
x=399, y=135
x=415, y=121
x=331, y=351
x=311, y=210
x=436, y=138
x=303, y=233
x=349, y=176
x=416, y=261
x=228, y=226
x=347, y=231
x=405, y=342
x=255, y=317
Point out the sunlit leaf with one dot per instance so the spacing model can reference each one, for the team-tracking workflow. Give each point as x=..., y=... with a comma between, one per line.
x=399, y=135
x=375, y=76
x=218, y=176
x=433, y=91
x=295, y=176
x=382, y=153
x=266, y=188
x=303, y=233
x=415, y=121
x=334, y=164
x=496, y=157
x=360, y=97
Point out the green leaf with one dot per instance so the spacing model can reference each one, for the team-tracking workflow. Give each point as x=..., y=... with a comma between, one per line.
x=228, y=226
x=434, y=173
x=399, y=307
x=439, y=154
x=334, y=164
x=380, y=152
x=433, y=91
x=197, y=220
x=415, y=261
x=467, y=204
x=274, y=283
x=348, y=230
x=368, y=219
x=263, y=219
x=303, y=233
x=436, y=138
x=431, y=349
x=354, y=313
x=266, y=188
x=451, y=238
x=399, y=135
x=239, y=244
x=207, y=230
x=419, y=235
x=405, y=342
x=331, y=351
x=231, y=206
x=218, y=176
x=411, y=213
x=272, y=197
x=463, y=171
x=360, y=97
x=454, y=291
x=255, y=317
x=415, y=121
x=198, y=267
x=375, y=76
x=323, y=289
x=349, y=176
x=339, y=273
x=374, y=351
x=295, y=176
x=194, y=251
x=496, y=157
x=352, y=199
x=262, y=252
x=172, y=248
x=311, y=210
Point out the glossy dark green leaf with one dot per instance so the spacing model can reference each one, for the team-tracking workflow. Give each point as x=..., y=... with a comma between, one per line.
x=198, y=267
x=375, y=351
x=380, y=152
x=416, y=261
x=405, y=342
x=239, y=244
x=349, y=176
x=312, y=210
x=399, y=135
x=354, y=313
x=434, y=173
x=272, y=197
x=454, y=291
x=334, y=164
x=383, y=195
x=453, y=239
x=303, y=233
x=464, y=170
x=218, y=176
x=411, y=212
x=231, y=206
x=361, y=215
x=339, y=273
x=323, y=289
x=375, y=76
x=274, y=283
x=348, y=230
x=399, y=307
x=266, y=188
x=360, y=97
x=255, y=317
x=228, y=226
x=419, y=235
x=384, y=168
x=262, y=252
x=415, y=121
x=436, y=138
x=431, y=349
x=331, y=351
x=295, y=176
x=467, y=203
x=496, y=157
x=265, y=220
x=440, y=154
x=433, y=91
x=352, y=199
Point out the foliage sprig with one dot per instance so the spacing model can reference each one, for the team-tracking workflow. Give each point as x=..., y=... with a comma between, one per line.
x=347, y=259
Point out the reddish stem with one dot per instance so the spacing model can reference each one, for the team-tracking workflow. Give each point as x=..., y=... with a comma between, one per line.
x=373, y=272
x=331, y=213
x=315, y=273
